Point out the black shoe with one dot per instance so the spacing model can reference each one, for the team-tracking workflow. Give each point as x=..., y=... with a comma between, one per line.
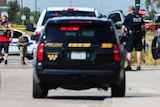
x=1, y=60
x=128, y=68
x=138, y=68
x=23, y=63
x=5, y=62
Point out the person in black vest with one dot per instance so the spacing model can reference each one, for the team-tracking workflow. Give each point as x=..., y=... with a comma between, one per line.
x=134, y=24
x=6, y=35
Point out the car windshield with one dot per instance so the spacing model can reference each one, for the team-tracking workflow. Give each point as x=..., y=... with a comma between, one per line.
x=95, y=33
x=17, y=34
x=51, y=14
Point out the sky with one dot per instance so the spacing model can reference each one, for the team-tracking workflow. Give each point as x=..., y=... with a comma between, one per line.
x=103, y=6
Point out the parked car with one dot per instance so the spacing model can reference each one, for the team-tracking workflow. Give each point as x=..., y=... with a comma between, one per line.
x=154, y=23
x=13, y=46
x=78, y=53
x=51, y=12
x=117, y=16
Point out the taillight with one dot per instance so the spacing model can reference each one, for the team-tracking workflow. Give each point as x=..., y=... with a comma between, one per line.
x=40, y=52
x=116, y=53
x=70, y=9
x=38, y=33
x=69, y=28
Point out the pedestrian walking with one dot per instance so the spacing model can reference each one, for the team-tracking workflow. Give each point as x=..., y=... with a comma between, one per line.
x=6, y=34
x=134, y=24
x=22, y=44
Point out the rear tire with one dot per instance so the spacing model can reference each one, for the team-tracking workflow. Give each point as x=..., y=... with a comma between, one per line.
x=154, y=48
x=39, y=91
x=118, y=90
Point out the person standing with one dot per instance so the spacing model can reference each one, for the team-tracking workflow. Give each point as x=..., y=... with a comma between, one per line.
x=6, y=34
x=134, y=24
x=22, y=43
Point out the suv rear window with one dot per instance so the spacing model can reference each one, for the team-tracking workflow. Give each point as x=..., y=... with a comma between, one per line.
x=94, y=33
x=51, y=14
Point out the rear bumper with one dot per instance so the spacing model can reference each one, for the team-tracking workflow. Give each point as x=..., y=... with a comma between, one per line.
x=77, y=78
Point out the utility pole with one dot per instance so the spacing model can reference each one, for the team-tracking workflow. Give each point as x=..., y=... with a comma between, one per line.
x=21, y=4
x=70, y=3
x=35, y=5
x=137, y=5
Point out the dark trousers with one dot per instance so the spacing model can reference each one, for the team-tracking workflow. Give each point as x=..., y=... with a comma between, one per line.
x=23, y=51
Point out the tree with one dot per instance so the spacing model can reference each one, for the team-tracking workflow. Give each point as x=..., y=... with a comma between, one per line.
x=26, y=11
x=152, y=7
x=13, y=11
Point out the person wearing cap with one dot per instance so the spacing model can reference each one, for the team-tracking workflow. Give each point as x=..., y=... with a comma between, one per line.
x=6, y=34
x=134, y=24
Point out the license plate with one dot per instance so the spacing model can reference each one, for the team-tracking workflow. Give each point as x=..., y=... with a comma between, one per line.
x=78, y=55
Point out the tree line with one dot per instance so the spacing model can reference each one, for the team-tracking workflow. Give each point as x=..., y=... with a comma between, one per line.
x=15, y=13
x=152, y=8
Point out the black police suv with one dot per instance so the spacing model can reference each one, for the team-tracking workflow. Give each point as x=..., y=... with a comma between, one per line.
x=78, y=53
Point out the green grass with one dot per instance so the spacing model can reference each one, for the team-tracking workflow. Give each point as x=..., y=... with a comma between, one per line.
x=147, y=58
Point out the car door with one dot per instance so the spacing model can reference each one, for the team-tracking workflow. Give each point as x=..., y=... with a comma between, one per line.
x=13, y=46
x=117, y=17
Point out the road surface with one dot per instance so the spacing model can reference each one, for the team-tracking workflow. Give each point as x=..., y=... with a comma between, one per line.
x=142, y=90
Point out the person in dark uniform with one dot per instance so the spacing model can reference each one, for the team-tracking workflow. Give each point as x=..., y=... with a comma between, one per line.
x=134, y=24
x=22, y=43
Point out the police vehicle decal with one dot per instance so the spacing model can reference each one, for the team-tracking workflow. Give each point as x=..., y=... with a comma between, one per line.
x=106, y=45
x=58, y=45
x=52, y=56
x=78, y=45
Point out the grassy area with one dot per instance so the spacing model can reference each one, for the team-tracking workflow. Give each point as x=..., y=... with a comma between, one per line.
x=147, y=58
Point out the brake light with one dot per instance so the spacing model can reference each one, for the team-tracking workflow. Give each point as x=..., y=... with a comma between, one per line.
x=116, y=52
x=69, y=28
x=70, y=9
x=38, y=33
x=40, y=52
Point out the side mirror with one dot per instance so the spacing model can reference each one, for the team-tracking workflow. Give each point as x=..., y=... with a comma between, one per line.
x=118, y=24
x=34, y=37
x=100, y=15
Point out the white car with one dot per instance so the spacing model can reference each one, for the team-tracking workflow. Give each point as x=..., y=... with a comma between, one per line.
x=51, y=12
x=13, y=46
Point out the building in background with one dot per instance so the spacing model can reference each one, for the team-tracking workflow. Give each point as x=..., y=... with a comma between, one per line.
x=2, y=3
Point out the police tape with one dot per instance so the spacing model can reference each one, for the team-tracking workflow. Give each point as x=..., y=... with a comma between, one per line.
x=152, y=24
x=12, y=28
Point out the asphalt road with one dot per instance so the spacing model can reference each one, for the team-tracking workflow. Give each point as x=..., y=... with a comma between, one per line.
x=142, y=90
